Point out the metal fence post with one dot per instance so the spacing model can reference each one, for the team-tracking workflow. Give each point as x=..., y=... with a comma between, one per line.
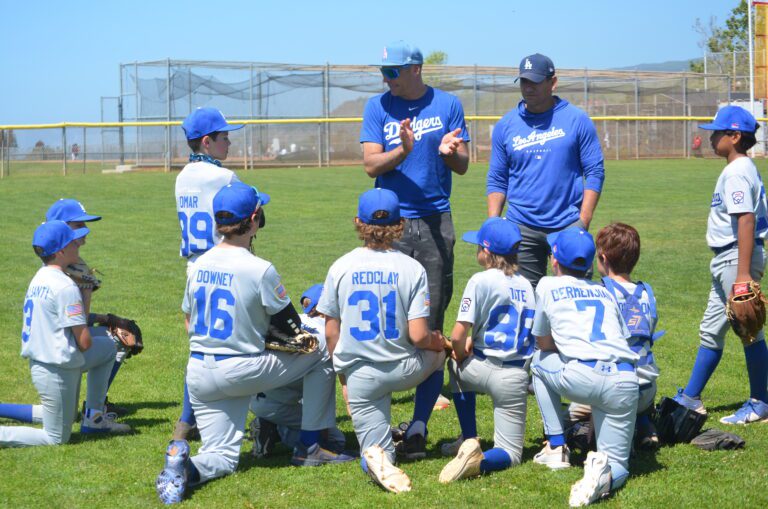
x=319, y=144
x=686, y=111
x=85, y=149
x=475, y=134
x=637, y=123
x=64, y=149
x=167, y=126
x=2, y=153
x=327, y=108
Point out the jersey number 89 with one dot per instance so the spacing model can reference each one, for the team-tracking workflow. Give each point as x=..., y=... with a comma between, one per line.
x=502, y=324
x=198, y=226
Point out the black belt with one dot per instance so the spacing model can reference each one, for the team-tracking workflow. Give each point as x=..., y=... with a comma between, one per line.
x=723, y=249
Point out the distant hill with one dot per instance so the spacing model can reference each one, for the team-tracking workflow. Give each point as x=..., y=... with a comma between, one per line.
x=670, y=66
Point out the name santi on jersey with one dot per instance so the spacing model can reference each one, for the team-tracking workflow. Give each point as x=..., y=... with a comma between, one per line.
x=420, y=126
x=375, y=277
x=536, y=138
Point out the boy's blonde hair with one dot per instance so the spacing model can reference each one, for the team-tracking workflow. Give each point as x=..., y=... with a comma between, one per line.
x=379, y=236
x=505, y=263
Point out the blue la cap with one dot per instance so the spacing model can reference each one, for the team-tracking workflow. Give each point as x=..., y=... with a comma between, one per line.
x=497, y=235
x=240, y=200
x=67, y=210
x=400, y=53
x=313, y=294
x=204, y=121
x=732, y=118
x=53, y=236
x=573, y=248
x=536, y=68
x=379, y=206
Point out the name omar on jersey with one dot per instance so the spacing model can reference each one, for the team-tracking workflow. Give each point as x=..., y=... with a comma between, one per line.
x=536, y=138
x=420, y=126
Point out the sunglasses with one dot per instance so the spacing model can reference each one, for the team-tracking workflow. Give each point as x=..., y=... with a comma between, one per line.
x=392, y=73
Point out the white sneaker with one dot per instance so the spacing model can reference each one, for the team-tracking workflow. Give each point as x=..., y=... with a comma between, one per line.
x=101, y=422
x=451, y=449
x=690, y=403
x=384, y=473
x=466, y=463
x=753, y=410
x=556, y=459
x=595, y=484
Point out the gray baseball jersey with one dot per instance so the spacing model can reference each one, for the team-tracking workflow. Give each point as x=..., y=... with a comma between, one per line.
x=500, y=309
x=583, y=319
x=196, y=186
x=222, y=287
x=52, y=305
x=375, y=294
x=739, y=189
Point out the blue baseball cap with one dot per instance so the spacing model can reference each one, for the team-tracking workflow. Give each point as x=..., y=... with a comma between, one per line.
x=53, y=236
x=313, y=294
x=240, y=200
x=497, y=235
x=732, y=118
x=204, y=121
x=67, y=210
x=536, y=68
x=379, y=206
x=573, y=248
x=400, y=53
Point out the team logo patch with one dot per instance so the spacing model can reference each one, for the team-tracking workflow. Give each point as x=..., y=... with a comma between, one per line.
x=280, y=291
x=734, y=125
x=74, y=310
x=426, y=299
x=528, y=64
x=465, y=303
x=737, y=196
x=716, y=200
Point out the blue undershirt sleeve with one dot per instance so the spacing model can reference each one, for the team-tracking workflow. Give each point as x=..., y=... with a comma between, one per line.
x=591, y=155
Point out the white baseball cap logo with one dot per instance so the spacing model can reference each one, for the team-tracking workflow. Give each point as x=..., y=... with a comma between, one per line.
x=528, y=64
x=385, y=53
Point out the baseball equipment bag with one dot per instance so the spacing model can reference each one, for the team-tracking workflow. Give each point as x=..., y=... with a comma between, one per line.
x=716, y=440
x=125, y=333
x=677, y=424
x=83, y=275
x=303, y=342
x=746, y=310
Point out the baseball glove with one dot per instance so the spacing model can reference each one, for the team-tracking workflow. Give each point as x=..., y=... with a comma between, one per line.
x=125, y=333
x=83, y=275
x=677, y=424
x=303, y=342
x=715, y=440
x=746, y=310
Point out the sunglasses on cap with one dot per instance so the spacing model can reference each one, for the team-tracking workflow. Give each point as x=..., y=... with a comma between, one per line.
x=392, y=73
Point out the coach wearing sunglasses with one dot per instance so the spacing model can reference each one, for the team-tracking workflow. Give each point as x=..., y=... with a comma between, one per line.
x=413, y=138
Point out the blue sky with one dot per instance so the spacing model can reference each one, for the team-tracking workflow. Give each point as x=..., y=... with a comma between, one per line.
x=58, y=59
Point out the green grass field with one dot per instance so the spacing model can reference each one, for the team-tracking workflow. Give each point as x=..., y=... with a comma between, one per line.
x=309, y=225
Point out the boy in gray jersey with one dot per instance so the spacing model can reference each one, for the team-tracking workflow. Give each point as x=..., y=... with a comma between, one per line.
x=376, y=303
x=736, y=232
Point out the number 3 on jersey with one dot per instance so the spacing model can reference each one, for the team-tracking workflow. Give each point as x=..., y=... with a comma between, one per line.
x=368, y=303
x=218, y=302
x=198, y=226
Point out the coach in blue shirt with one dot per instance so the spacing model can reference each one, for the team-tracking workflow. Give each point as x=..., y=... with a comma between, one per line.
x=546, y=163
x=414, y=137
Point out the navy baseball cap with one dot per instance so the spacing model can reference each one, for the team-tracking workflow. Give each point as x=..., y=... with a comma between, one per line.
x=240, y=200
x=573, y=248
x=497, y=235
x=732, y=118
x=67, y=210
x=536, y=68
x=53, y=236
x=313, y=294
x=204, y=121
x=400, y=53
x=379, y=206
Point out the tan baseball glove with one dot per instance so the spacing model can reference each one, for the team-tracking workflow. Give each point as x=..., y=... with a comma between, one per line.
x=746, y=310
x=303, y=342
x=83, y=275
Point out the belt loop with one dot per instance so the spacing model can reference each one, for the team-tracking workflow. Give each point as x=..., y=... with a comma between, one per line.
x=210, y=361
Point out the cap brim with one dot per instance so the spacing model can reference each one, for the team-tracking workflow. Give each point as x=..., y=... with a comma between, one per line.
x=264, y=197
x=711, y=127
x=552, y=238
x=472, y=237
x=86, y=218
x=534, y=77
x=81, y=232
x=232, y=127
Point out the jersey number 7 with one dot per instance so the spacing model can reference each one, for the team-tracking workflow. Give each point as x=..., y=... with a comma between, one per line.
x=584, y=306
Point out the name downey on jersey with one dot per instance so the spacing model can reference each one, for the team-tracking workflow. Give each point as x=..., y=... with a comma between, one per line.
x=572, y=292
x=420, y=126
x=536, y=138
x=213, y=277
x=375, y=277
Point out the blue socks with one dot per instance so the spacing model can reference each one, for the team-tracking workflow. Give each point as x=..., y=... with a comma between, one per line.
x=556, y=440
x=310, y=437
x=757, y=368
x=706, y=362
x=465, y=410
x=115, y=369
x=187, y=414
x=17, y=412
x=495, y=459
x=427, y=393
